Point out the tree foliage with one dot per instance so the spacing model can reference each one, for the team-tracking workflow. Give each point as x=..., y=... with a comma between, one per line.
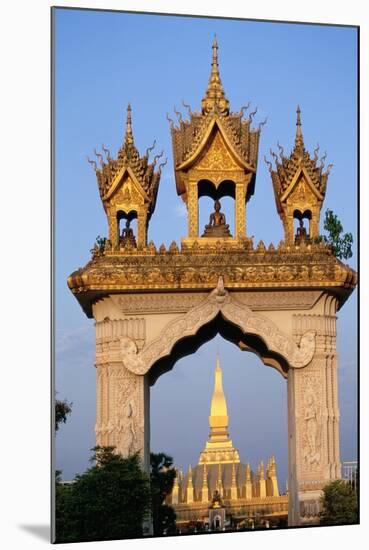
x=62, y=410
x=99, y=244
x=339, y=504
x=109, y=501
x=341, y=245
x=162, y=476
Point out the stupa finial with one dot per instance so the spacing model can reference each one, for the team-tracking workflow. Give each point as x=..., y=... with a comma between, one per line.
x=214, y=96
x=299, y=140
x=128, y=140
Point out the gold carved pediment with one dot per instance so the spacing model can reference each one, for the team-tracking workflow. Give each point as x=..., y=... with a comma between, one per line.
x=301, y=190
x=127, y=194
x=216, y=156
x=302, y=194
x=125, y=178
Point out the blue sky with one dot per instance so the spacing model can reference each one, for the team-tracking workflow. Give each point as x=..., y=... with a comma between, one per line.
x=102, y=62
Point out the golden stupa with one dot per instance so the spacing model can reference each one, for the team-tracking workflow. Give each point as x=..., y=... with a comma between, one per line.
x=221, y=481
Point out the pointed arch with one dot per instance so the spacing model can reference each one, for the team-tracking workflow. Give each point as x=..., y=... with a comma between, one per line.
x=220, y=301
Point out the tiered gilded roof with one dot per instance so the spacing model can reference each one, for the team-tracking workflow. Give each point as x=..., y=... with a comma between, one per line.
x=128, y=157
x=286, y=168
x=188, y=136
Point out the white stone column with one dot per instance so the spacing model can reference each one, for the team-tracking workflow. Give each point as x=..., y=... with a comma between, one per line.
x=123, y=398
x=313, y=420
x=122, y=416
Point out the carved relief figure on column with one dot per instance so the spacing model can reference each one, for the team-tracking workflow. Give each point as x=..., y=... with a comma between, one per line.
x=128, y=187
x=299, y=184
x=311, y=454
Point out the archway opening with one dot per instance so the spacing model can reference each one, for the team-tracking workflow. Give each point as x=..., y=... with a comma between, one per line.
x=301, y=223
x=256, y=401
x=127, y=227
x=227, y=330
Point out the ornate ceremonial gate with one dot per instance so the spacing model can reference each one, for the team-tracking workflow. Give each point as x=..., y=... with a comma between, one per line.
x=152, y=307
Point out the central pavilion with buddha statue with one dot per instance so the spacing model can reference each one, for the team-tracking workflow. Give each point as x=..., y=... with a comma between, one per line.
x=153, y=305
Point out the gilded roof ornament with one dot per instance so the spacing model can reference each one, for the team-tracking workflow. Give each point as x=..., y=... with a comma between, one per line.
x=129, y=135
x=299, y=140
x=128, y=187
x=215, y=98
x=193, y=135
x=128, y=156
x=299, y=183
x=286, y=168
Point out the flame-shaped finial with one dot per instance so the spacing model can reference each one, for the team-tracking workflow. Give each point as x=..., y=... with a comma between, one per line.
x=214, y=64
x=298, y=111
x=214, y=95
x=299, y=141
x=128, y=140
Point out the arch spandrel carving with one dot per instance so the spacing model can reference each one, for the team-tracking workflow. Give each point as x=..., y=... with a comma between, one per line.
x=218, y=301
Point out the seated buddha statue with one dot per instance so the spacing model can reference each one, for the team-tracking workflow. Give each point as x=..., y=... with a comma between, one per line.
x=127, y=237
x=216, y=501
x=301, y=234
x=217, y=226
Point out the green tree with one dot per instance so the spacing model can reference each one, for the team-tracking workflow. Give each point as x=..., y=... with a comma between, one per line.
x=341, y=244
x=162, y=476
x=339, y=504
x=109, y=501
x=62, y=410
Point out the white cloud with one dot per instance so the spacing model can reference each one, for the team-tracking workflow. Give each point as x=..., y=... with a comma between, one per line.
x=180, y=210
x=65, y=340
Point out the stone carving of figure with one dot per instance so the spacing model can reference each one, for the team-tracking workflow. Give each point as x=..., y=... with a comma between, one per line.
x=131, y=429
x=217, y=226
x=127, y=237
x=127, y=432
x=310, y=417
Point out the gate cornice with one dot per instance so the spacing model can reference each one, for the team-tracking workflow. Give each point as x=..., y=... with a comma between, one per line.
x=218, y=301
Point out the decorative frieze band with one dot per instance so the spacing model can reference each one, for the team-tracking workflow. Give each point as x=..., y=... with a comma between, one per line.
x=278, y=300
x=322, y=324
x=158, y=303
x=109, y=330
x=180, y=303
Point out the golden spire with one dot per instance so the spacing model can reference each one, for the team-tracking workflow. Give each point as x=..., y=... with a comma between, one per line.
x=189, y=489
x=218, y=402
x=234, y=492
x=205, y=487
x=189, y=482
x=299, y=140
x=248, y=484
x=175, y=482
x=219, y=447
x=128, y=140
x=214, y=95
x=175, y=490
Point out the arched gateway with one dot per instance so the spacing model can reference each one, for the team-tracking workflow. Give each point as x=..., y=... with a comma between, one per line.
x=152, y=306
